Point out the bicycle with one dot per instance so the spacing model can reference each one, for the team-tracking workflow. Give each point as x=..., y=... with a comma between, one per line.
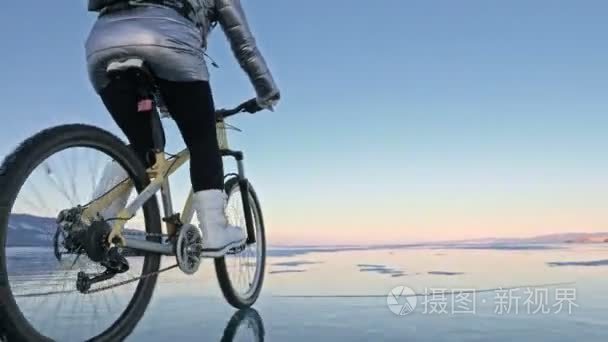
x=90, y=255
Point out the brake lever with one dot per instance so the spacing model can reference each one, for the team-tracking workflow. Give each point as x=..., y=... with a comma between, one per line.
x=231, y=127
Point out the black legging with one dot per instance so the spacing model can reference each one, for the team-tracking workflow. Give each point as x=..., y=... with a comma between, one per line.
x=191, y=106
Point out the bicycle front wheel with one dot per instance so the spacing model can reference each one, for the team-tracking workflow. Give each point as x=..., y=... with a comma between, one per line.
x=56, y=170
x=241, y=273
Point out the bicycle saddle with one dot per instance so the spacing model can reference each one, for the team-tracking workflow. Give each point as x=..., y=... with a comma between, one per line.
x=136, y=65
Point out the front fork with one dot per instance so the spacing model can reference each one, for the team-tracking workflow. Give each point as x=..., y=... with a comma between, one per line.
x=244, y=188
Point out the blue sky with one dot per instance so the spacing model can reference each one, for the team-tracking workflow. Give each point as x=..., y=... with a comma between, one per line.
x=400, y=120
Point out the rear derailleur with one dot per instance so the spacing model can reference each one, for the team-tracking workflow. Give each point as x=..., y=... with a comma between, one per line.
x=114, y=263
x=76, y=238
x=96, y=245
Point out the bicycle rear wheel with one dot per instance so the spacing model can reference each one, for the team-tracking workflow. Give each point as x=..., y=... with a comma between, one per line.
x=241, y=273
x=53, y=171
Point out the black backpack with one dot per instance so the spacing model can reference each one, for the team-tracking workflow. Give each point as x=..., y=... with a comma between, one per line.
x=98, y=5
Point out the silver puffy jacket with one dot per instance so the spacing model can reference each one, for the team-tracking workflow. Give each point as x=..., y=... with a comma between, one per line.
x=175, y=46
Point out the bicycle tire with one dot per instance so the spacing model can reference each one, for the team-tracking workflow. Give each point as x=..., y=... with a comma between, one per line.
x=14, y=171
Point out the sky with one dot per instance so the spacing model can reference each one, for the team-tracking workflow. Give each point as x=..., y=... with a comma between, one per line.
x=400, y=120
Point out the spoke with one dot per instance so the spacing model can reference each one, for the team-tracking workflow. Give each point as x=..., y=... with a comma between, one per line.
x=44, y=288
x=72, y=166
x=75, y=260
x=59, y=187
x=38, y=196
x=243, y=266
x=250, y=278
x=60, y=172
x=93, y=171
x=29, y=203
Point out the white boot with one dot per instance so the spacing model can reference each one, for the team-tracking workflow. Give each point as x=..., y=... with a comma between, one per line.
x=113, y=174
x=218, y=236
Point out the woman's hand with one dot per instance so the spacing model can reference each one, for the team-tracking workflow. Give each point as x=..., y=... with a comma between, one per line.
x=232, y=20
x=269, y=102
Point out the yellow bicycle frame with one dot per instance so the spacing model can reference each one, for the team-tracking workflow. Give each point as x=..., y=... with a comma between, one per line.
x=159, y=174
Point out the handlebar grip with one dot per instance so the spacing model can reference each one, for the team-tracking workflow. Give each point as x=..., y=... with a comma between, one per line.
x=251, y=106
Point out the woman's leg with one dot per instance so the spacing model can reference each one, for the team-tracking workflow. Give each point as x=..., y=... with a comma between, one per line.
x=120, y=98
x=191, y=106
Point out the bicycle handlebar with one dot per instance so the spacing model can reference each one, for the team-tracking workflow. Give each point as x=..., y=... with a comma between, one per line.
x=249, y=106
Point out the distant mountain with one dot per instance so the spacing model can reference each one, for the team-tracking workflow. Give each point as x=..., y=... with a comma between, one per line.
x=30, y=231
x=592, y=238
x=554, y=238
x=35, y=231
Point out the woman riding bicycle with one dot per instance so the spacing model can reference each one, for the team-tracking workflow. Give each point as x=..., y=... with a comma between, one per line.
x=171, y=37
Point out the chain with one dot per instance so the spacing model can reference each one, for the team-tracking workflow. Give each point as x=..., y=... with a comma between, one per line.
x=109, y=287
x=144, y=276
x=146, y=234
x=128, y=281
x=100, y=289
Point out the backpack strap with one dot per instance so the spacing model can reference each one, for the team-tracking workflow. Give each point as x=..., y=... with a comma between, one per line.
x=183, y=7
x=100, y=5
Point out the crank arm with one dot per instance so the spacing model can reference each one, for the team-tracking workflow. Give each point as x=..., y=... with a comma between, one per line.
x=150, y=246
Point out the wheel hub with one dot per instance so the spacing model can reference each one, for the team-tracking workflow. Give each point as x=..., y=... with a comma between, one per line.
x=77, y=238
x=95, y=240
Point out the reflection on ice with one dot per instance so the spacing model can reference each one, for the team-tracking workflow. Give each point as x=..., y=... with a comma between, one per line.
x=603, y=262
x=338, y=288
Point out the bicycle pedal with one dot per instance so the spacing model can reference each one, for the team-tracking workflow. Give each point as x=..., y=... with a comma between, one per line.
x=237, y=250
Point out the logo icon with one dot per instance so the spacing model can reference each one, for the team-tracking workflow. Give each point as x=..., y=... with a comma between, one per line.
x=401, y=300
